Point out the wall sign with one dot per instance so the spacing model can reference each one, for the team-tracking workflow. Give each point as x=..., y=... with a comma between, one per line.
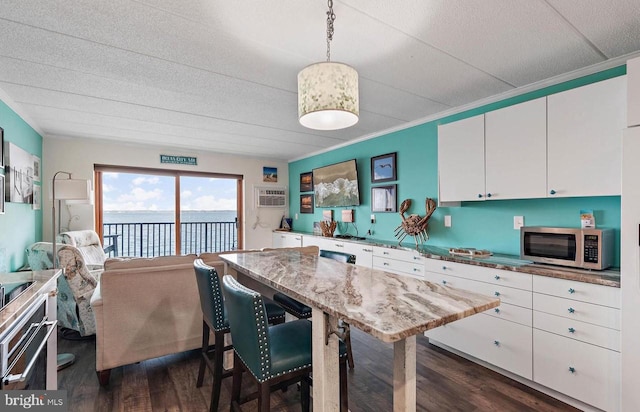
x=179, y=160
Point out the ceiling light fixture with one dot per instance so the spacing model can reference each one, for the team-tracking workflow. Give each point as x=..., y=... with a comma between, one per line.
x=328, y=91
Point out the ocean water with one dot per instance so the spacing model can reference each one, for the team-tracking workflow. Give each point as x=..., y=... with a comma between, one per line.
x=147, y=216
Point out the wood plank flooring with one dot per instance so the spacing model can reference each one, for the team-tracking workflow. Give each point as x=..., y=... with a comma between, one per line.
x=446, y=382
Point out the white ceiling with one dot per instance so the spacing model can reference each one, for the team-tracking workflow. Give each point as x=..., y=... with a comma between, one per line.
x=208, y=75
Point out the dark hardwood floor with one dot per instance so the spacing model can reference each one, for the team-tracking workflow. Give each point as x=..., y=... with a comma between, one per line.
x=445, y=382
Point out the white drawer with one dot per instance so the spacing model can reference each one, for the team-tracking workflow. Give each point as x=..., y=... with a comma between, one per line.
x=481, y=273
x=398, y=254
x=571, y=289
x=512, y=313
x=594, y=379
x=576, y=310
x=399, y=266
x=504, y=344
x=573, y=329
x=512, y=296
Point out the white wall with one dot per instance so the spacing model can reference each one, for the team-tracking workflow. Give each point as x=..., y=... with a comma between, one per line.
x=78, y=157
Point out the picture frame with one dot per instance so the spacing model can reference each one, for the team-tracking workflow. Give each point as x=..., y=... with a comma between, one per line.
x=306, y=203
x=2, y=149
x=383, y=168
x=37, y=197
x=2, y=197
x=37, y=168
x=384, y=199
x=18, y=174
x=306, y=182
x=269, y=174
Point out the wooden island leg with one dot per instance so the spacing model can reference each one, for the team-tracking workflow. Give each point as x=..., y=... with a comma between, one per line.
x=404, y=375
x=326, y=388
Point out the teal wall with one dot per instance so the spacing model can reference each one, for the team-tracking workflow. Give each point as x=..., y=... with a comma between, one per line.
x=20, y=226
x=487, y=224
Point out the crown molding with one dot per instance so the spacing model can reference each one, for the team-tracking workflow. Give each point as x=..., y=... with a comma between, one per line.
x=18, y=110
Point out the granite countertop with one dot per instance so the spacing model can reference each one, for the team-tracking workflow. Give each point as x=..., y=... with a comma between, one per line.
x=43, y=281
x=386, y=306
x=609, y=277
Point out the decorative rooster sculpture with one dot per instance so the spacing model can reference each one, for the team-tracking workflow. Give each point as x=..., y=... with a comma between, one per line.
x=414, y=225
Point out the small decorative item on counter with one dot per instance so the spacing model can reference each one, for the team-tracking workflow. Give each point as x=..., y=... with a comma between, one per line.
x=470, y=252
x=587, y=219
x=414, y=225
x=328, y=228
x=285, y=224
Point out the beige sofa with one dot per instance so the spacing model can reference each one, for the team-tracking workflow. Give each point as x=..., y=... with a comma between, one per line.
x=149, y=307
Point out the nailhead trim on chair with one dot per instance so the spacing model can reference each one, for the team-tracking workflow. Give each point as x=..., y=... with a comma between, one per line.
x=218, y=301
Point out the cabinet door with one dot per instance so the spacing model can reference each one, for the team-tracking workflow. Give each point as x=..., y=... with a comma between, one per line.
x=633, y=90
x=363, y=253
x=461, y=160
x=585, y=138
x=516, y=151
x=280, y=239
x=326, y=243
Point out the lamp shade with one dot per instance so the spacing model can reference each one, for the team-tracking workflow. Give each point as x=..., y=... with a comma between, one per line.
x=328, y=96
x=72, y=189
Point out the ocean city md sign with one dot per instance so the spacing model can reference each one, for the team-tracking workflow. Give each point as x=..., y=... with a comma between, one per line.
x=179, y=160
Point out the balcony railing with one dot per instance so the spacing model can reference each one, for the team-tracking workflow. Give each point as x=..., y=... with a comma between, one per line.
x=158, y=239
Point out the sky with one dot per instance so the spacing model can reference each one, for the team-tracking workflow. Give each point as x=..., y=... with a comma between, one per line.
x=132, y=191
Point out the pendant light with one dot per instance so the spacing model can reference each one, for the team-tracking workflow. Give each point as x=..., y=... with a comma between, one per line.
x=328, y=91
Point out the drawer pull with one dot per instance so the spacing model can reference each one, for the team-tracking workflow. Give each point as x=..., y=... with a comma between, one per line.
x=497, y=343
x=416, y=258
x=338, y=245
x=367, y=250
x=552, y=192
x=571, y=310
x=496, y=293
x=444, y=268
x=572, y=290
x=385, y=253
x=496, y=310
x=572, y=369
x=497, y=277
x=385, y=264
x=444, y=282
x=415, y=269
x=479, y=195
x=572, y=330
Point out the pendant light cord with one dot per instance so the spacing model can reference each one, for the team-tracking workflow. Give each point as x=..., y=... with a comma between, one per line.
x=331, y=17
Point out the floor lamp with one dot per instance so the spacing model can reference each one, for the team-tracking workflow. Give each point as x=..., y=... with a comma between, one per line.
x=65, y=189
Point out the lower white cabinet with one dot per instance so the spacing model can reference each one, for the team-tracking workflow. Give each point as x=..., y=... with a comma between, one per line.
x=402, y=262
x=283, y=239
x=580, y=370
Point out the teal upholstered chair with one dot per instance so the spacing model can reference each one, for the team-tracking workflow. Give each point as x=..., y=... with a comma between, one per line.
x=275, y=356
x=302, y=311
x=215, y=319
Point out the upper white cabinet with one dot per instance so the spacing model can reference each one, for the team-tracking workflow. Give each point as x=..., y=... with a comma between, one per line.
x=516, y=151
x=584, y=139
x=461, y=160
x=633, y=98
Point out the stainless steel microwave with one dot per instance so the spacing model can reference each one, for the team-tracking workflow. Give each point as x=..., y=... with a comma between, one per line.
x=580, y=248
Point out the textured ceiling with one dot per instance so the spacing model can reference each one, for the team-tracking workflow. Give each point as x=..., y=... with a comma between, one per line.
x=221, y=76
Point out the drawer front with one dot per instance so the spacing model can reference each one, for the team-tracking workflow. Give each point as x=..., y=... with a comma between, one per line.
x=399, y=254
x=584, y=292
x=363, y=253
x=576, y=310
x=504, y=344
x=595, y=374
x=399, y=266
x=483, y=274
x=512, y=296
x=573, y=329
x=512, y=313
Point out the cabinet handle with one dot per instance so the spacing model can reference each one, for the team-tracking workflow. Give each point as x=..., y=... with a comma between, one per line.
x=479, y=195
x=416, y=258
x=385, y=253
x=367, y=250
x=415, y=269
x=338, y=245
x=385, y=264
x=496, y=310
x=571, y=310
x=497, y=343
x=572, y=330
x=496, y=293
x=552, y=192
x=497, y=277
x=444, y=268
x=297, y=238
x=572, y=290
x=572, y=369
x=488, y=194
x=444, y=282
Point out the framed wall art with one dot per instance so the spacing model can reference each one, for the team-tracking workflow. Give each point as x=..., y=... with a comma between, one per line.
x=36, y=168
x=2, y=148
x=306, y=182
x=18, y=174
x=269, y=174
x=2, y=197
x=306, y=203
x=383, y=168
x=384, y=198
x=37, y=198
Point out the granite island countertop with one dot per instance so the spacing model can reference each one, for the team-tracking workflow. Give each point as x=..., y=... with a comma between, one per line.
x=609, y=277
x=43, y=280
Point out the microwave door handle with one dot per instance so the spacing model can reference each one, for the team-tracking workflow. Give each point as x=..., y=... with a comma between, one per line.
x=23, y=376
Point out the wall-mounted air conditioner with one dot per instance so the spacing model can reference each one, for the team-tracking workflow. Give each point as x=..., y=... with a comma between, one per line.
x=271, y=196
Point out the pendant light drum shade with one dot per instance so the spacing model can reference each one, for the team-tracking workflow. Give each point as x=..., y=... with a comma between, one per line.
x=328, y=96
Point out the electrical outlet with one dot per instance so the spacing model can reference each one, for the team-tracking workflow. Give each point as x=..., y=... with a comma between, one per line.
x=296, y=216
x=447, y=221
x=518, y=222
x=373, y=218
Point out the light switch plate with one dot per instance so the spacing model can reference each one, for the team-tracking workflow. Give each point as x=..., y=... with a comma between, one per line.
x=447, y=221
x=518, y=222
